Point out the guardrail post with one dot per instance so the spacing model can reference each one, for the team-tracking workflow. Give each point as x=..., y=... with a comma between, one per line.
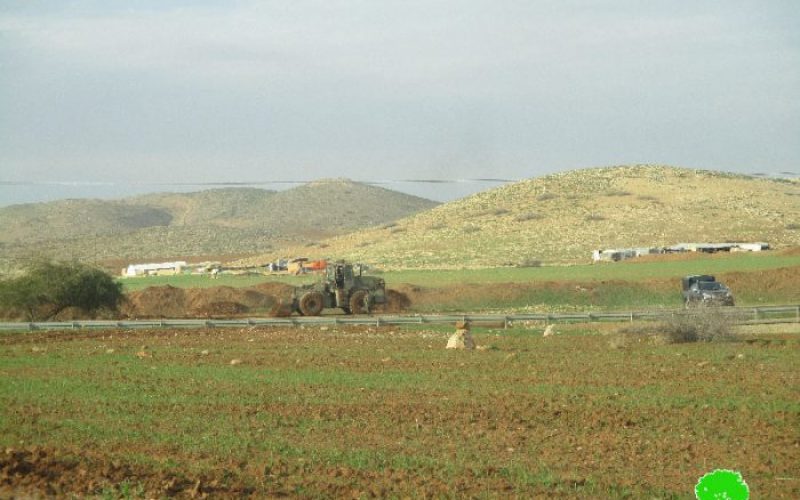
x=797, y=316
x=505, y=322
x=755, y=313
x=378, y=322
x=631, y=317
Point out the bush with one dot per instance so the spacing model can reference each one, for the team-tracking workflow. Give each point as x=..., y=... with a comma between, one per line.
x=701, y=325
x=529, y=262
x=528, y=216
x=48, y=288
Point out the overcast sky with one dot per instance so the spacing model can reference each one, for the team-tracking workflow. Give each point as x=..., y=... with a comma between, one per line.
x=130, y=94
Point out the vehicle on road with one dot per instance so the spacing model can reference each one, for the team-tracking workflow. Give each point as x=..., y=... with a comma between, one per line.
x=705, y=290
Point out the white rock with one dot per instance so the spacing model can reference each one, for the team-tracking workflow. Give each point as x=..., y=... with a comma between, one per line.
x=462, y=339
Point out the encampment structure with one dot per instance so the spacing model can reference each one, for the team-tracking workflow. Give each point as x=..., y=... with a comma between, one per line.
x=617, y=254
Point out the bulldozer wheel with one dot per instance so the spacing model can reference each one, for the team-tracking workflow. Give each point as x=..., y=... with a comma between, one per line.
x=311, y=304
x=357, y=302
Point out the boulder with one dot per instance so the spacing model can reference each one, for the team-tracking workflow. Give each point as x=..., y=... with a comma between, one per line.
x=462, y=339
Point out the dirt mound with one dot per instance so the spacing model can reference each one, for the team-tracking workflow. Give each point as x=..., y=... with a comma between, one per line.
x=274, y=289
x=223, y=309
x=784, y=281
x=156, y=302
x=396, y=302
x=200, y=298
x=215, y=302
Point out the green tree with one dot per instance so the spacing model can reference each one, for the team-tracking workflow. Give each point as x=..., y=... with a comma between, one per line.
x=47, y=288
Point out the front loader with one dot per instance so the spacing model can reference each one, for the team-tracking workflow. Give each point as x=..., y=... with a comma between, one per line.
x=343, y=286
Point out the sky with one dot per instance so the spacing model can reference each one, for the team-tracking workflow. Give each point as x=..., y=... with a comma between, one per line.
x=100, y=98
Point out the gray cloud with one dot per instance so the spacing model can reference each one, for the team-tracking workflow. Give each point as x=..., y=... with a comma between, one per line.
x=244, y=90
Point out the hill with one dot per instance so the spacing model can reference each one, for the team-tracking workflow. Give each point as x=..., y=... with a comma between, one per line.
x=214, y=222
x=563, y=217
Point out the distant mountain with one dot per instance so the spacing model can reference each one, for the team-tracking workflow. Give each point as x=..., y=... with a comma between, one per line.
x=214, y=222
x=563, y=217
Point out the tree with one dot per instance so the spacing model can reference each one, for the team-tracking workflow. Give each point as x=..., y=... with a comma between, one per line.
x=47, y=288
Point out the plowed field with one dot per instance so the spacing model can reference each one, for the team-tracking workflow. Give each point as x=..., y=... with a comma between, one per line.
x=368, y=412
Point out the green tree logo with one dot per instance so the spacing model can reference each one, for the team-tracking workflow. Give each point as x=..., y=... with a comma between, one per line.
x=722, y=484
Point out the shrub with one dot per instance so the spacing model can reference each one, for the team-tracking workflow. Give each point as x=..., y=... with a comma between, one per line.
x=528, y=216
x=594, y=217
x=47, y=288
x=793, y=226
x=701, y=325
x=529, y=262
x=618, y=192
x=546, y=196
x=708, y=324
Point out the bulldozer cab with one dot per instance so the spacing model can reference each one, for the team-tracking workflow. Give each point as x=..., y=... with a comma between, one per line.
x=341, y=275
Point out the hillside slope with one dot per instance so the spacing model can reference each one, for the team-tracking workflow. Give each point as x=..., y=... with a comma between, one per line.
x=213, y=222
x=565, y=216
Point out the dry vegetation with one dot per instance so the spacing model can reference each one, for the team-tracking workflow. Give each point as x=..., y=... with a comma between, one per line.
x=565, y=216
x=217, y=221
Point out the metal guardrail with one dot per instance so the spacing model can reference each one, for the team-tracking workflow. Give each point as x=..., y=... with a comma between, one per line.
x=743, y=315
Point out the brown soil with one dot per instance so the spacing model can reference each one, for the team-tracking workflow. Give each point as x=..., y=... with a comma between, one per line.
x=156, y=302
x=783, y=281
x=34, y=471
x=672, y=257
x=224, y=302
x=530, y=417
x=396, y=302
x=790, y=251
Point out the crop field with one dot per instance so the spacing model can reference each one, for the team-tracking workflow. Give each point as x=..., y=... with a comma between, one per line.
x=388, y=412
x=755, y=279
x=633, y=270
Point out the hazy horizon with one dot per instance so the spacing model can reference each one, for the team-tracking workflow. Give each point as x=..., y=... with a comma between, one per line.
x=433, y=189
x=112, y=98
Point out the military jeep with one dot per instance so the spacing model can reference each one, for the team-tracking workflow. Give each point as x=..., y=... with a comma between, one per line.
x=705, y=290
